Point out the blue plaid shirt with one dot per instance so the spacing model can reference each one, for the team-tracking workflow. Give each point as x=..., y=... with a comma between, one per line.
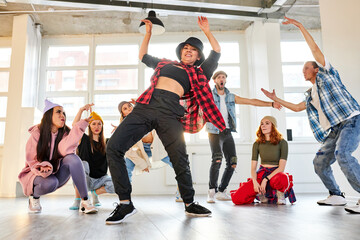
x=335, y=101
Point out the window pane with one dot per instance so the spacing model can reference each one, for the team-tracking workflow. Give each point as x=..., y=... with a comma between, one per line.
x=295, y=52
x=203, y=134
x=164, y=50
x=293, y=98
x=68, y=56
x=299, y=125
x=148, y=73
x=4, y=81
x=2, y=132
x=108, y=128
x=116, y=79
x=5, y=57
x=68, y=80
x=3, y=104
x=233, y=77
x=293, y=76
x=71, y=105
x=107, y=104
x=229, y=53
x=116, y=54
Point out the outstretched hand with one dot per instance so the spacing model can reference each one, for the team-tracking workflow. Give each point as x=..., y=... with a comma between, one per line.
x=291, y=21
x=148, y=25
x=203, y=24
x=271, y=95
x=114, y=128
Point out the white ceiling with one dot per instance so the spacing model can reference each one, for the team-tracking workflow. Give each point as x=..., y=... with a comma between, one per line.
x=72, y=17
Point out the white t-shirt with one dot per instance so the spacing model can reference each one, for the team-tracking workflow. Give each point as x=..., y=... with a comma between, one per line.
x=223, y=110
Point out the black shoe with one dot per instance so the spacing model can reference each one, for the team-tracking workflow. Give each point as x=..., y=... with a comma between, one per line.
x=120, y=213
x=196, y=210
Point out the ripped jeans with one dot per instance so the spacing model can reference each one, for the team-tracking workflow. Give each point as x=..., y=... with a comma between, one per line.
x=219, y=144
x=339, y=146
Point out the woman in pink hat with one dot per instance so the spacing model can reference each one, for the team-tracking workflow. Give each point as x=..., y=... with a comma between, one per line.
x=51, y=159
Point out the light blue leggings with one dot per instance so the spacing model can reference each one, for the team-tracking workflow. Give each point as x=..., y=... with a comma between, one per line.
x=130, y=165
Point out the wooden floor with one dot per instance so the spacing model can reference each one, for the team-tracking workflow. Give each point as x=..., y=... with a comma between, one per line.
x=160, y=217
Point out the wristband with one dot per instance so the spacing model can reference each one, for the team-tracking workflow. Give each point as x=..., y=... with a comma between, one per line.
x=272, y=104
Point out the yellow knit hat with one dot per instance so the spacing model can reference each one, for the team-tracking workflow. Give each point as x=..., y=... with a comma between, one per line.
x=96, y=116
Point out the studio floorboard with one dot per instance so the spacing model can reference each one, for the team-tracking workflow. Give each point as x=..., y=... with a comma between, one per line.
x=160, y=217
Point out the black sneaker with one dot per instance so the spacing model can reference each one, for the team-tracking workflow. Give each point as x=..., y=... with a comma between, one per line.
x=120, y=213
x=196, y=210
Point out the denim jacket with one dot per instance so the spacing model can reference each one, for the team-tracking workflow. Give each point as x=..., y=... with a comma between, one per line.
x=230, y=104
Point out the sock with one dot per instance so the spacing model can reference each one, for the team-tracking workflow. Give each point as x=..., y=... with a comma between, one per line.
x=125, y=202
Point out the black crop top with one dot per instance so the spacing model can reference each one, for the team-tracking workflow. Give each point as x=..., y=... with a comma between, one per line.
x=178, y=74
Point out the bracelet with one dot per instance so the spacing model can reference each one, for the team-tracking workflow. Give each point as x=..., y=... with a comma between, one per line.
x=267, y=178
x=272, y=104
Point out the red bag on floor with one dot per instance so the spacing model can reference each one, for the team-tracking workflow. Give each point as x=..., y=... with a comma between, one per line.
x=245, y=194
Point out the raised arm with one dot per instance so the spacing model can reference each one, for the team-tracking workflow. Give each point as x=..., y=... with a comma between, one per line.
x=257, y=102
x=294, y=107
x=145, y=43
x=316, y=52
x=87, y=107
x=205, y=27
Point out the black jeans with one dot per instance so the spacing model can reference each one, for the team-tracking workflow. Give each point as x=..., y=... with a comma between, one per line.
x=221, y=143
x=162, y=114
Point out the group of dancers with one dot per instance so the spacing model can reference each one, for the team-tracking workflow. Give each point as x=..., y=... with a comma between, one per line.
x=180, y=100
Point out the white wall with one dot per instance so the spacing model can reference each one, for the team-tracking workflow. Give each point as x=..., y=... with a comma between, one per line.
x=341, y=38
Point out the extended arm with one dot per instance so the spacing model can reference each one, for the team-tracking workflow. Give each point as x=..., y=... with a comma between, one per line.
x=256, y=102
x=77, y=118
x=316, y=52
x=294, y=107
x=145, y=43
x=205, y=27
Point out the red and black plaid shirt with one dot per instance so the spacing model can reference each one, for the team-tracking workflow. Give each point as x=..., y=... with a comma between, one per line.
x=198, y=102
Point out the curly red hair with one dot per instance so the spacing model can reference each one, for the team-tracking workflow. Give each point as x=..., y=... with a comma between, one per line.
x=275, y=136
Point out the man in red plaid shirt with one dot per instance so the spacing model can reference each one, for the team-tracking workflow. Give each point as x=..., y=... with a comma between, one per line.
x=159, y=108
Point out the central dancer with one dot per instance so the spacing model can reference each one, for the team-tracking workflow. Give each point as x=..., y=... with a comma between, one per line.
x=159, y=108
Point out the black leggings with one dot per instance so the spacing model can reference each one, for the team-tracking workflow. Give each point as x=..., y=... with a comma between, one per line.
x=162, y=114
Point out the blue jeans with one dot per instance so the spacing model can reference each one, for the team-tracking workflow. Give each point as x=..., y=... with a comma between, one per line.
x=147, y=147
x=339, y=146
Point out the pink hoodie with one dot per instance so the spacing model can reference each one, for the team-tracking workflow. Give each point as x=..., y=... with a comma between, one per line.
x=67, y=145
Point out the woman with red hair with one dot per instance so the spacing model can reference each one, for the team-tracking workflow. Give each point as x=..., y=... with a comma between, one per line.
x=270, y=181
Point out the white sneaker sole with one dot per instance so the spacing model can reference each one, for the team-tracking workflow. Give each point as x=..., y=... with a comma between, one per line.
x=197, y=215
x=88, y=211
x=34, y=211
x=350, y=210
x=331, y=204
x=120, y=221
x=210, y=201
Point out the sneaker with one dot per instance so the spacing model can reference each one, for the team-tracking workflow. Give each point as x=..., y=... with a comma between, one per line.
x=196, y=210
x=87, y=207
x=211, y=196
x=95, y=198
x=333, y=200
x=76, y=204
x=263, y=199
x=34, y=205
x=120, y=213
x=354, y=209
x=280, y=198
x=222, y=196
x=178, y=197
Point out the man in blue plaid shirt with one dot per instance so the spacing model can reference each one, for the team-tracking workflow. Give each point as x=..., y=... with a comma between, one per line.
x=334, y=117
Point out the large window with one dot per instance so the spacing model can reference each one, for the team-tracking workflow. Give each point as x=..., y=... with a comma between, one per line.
x=107, y=71
x=5, y=57
x=293, y=55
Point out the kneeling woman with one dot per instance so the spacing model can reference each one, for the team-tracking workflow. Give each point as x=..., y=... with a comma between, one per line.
x=270, y=181
x=51, y=159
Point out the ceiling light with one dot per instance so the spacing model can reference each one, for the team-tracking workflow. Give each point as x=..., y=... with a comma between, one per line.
x=157, y=28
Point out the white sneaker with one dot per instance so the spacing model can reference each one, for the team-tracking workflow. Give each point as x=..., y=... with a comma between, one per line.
x=354, y=209
x=34, y=205
x=211, y=196
x=222, y=196
x=333, y=200
x=263, y=199
x=87, y=207
x=280, y=198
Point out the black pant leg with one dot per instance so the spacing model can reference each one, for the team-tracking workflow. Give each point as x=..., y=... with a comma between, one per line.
x=215, y=146
x=230, y=157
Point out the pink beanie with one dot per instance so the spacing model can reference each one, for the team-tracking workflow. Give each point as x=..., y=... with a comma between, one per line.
x=49, y=105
